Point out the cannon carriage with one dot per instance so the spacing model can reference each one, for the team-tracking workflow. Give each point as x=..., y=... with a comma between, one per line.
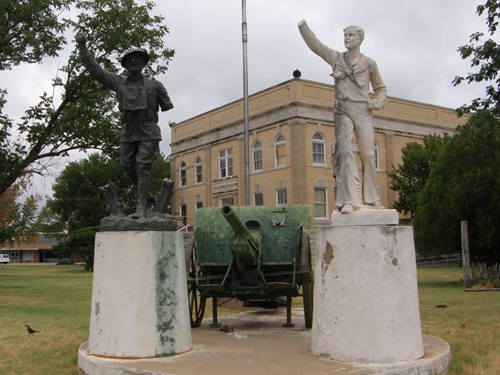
x=259, y=255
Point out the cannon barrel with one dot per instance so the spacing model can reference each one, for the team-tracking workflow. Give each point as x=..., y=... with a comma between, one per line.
x=252, y=251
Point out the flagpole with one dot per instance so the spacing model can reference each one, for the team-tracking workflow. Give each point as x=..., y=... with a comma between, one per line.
x=245, y=100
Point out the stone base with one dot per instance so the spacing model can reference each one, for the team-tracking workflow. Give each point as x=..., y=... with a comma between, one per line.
x=139, y=295
x=260, y=345
x=365, y=294
x=366, y=216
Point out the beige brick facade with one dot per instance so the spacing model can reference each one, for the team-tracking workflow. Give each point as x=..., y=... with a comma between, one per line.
x=300, y=113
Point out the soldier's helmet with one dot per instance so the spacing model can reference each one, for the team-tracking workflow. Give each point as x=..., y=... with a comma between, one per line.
x=144, y=54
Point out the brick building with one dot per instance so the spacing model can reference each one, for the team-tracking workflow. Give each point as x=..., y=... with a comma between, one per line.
x=291, y=134
x=36, y=249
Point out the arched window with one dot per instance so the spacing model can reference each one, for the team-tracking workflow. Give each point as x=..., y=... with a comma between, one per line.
x=377, y=156
x=182, y=174
x=280, y=151
x=198, y=171
x=318, y=149
x=257, y=156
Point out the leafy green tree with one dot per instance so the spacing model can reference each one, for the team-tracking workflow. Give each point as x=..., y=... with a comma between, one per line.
x=464, y=184
x=410, y=176
x=77, y=199
x=79, y=204
x=485, y=56
x=31, y=30
x=47, y=221
x=79, y=242
x=16, y=217
x=85, y=116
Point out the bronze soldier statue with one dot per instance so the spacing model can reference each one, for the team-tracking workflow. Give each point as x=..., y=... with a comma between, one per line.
x=139, y=98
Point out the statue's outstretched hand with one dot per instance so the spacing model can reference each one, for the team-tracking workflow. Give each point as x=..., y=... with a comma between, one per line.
x=81, y=39
x=301, y=22
x=375, y=104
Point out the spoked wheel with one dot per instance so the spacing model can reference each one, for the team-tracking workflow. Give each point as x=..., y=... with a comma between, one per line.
x=197, y=302
x=196, y=306
x=307, y=297
x=307, y=284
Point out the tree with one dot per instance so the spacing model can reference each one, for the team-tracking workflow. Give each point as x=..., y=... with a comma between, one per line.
x=484, y=55
x=80, y=242
x=31, y=30
x=80, y=205
x=464, y=184
x=410, y=176
x=16, y=219
x=85, y=116
x=47, y=221
x=77, y=199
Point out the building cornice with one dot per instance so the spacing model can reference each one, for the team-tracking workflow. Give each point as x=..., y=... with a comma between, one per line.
x=298, y=113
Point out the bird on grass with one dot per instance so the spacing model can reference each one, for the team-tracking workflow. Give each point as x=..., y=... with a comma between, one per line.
x=31, y=330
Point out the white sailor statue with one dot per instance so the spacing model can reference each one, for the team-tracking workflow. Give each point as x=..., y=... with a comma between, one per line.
x=353, y=73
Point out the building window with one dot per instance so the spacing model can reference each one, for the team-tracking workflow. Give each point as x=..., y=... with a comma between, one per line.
x=320, y=202
x=280, y=151
x=182, y=174
x=377, y=156
x=198, y=168
x=227, y=201
x=257, y=156
x=281, y=197
x=183, y=212
x=199, y=204
x=258, y=199
x=318, y=149
x=225, y=163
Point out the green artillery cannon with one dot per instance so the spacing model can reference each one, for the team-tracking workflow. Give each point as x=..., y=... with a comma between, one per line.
x=255, y=254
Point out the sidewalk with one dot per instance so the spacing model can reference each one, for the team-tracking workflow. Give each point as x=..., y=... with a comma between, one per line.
x=259, y=345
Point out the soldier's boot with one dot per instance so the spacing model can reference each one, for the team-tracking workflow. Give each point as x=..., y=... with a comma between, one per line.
x=143, y=187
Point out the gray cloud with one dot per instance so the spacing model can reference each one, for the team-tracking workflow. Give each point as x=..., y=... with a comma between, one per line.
x=414, y=44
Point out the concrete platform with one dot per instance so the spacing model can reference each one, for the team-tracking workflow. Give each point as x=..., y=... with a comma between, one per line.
x=260, y=345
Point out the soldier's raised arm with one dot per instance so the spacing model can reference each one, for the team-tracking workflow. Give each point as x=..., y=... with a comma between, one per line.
x=108, y=79
x=322, y=50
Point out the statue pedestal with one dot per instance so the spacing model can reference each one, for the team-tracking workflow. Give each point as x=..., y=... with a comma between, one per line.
x=365, y=291
x=139, y=295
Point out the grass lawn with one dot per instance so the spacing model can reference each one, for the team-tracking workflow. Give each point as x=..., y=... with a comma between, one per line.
x=470, y=323
x=56, y=301
x=52, y=299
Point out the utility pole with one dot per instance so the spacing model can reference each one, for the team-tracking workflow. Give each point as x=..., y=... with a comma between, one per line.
x=245, y=100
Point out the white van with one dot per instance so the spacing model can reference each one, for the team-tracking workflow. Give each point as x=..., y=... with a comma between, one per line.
x=4, y=259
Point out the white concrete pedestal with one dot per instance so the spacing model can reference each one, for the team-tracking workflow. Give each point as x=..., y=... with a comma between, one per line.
x=365, y=294
x=139, y=295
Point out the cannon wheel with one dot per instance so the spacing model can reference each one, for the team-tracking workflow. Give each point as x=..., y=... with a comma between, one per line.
x=197, y=302
x=307, y=284
x=196, y=306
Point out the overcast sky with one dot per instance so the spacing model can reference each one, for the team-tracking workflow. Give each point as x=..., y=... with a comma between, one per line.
x=414, y=44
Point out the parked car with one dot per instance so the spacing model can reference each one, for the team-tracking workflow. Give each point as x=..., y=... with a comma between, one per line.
x=4, y=259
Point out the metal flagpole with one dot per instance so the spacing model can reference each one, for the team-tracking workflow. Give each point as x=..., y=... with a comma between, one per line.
x=245, y=99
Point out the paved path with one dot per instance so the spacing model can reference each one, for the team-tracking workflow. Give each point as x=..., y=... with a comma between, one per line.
x=260, y=345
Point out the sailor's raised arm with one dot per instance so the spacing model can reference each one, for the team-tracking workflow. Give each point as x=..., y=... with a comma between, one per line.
x=108, y=79
x=322, y=50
